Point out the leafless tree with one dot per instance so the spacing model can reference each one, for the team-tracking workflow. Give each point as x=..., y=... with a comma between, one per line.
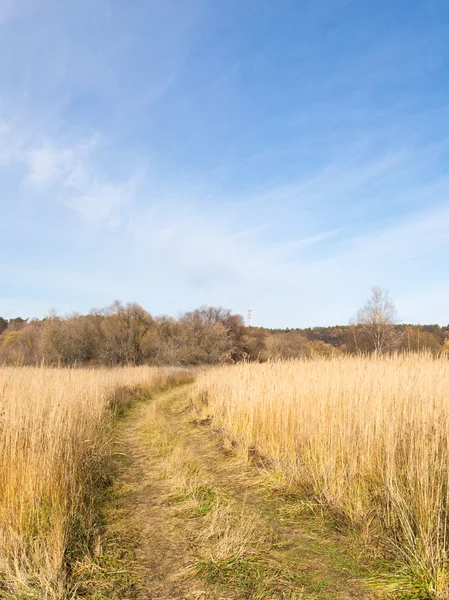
x=125, y=331
x=374, y=325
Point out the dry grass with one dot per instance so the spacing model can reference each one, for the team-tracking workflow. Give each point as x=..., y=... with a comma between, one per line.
x=55, y=428
x=367, y=437
x=233, y=532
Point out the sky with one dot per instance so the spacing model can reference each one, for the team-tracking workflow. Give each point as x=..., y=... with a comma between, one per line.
x=281, y=156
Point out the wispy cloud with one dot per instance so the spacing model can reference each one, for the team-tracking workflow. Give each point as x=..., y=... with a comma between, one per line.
x=71, y=174
x=72, y=171
x=48, y=165
x=101, y=202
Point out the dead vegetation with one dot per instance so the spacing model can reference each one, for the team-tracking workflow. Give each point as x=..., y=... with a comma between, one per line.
x=304, y=479
x=366, y=438
x=55, y=438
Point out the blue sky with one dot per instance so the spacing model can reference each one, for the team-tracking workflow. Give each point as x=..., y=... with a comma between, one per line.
x=283, y=156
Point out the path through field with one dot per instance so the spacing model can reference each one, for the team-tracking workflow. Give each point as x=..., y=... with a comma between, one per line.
x=187, y=520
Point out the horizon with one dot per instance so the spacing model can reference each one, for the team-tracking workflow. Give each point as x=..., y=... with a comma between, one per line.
x=256, y=326
x=283, y=157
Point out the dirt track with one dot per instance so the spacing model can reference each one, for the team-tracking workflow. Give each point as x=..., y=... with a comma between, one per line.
x=198, y=523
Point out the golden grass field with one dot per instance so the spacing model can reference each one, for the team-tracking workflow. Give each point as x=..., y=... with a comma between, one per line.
x=55, y=430
x=367, y=438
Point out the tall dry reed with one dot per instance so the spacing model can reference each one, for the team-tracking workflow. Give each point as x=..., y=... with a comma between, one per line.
x=54, y=428
x=367, y=437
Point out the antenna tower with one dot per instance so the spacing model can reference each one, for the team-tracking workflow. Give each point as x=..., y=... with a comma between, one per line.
x=250, y=317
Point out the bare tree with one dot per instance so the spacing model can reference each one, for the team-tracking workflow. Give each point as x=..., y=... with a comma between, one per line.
x=375, y=323
x=125, y=330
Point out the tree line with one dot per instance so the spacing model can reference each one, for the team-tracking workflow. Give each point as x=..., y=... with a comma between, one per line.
x=127, y=334
x=124, y=334
x=375, y=328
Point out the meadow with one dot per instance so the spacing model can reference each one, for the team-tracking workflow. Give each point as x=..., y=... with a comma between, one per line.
x=55, y=438
x=365, y=438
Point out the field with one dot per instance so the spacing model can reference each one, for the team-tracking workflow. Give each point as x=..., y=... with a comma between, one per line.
x=363, y=441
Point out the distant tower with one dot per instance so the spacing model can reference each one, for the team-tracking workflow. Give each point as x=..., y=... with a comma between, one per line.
x=250, y=317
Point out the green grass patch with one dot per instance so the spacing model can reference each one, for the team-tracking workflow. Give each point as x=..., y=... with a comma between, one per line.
x=388, y=579
x=108, y=575
x=202, y=499
x=251, y=578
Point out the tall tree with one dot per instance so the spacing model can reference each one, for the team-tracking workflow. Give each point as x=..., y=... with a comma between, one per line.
x=375, y=323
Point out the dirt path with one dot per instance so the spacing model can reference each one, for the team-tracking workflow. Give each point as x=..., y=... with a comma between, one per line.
x=185, y=520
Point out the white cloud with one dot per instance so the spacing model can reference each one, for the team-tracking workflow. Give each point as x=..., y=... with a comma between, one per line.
x=47, y=165
x=317, y=279
x=69, y=173
x=414, y=236
x=72, y=171
x=102, y=202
